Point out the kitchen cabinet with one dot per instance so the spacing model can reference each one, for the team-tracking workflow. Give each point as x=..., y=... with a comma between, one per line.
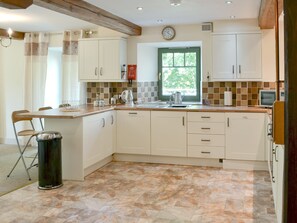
x=133, y=132
x=278, y=179
x=168, y=133
x=237, y=57
x=102, y=59
x=206, y=135
x=97, y=137
x=245, y=136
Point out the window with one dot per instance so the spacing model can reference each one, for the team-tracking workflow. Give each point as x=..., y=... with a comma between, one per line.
x=179, y=70
x=52, y=95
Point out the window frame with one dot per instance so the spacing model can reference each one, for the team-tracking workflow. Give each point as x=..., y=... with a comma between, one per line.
x=197, y=50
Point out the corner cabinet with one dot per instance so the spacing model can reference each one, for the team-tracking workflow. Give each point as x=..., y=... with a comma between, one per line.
x=169, y=131
x=102, y=59
x=245, y=136
x=237, y=57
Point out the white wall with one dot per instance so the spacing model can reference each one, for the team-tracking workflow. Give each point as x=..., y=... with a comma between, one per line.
x=12, y=73
x=184, y=33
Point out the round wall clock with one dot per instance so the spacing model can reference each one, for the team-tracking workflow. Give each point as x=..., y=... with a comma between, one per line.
x=168, y=33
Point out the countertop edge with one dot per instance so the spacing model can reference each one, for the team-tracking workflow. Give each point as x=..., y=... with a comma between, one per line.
x=87, y=110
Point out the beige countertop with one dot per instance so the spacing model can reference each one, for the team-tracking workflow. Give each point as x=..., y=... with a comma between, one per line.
x=85, y=110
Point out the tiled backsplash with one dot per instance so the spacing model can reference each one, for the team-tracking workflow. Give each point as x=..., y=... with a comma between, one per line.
x=243, y=93
x=146, y=91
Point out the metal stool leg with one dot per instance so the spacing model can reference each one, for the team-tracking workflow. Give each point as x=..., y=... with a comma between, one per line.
x=21, y=157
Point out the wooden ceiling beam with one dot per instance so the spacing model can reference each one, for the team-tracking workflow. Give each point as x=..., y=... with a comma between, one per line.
x=15, y=4
x=90, y=13
x=15, y=34
x=266, y=17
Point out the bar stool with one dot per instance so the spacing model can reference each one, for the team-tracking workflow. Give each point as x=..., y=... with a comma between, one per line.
x=30, y=132
x=40, y=119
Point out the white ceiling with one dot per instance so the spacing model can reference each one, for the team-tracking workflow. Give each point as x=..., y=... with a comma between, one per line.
x=36, y=18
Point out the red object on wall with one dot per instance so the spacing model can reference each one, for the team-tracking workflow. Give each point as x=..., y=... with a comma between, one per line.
x=132, y=72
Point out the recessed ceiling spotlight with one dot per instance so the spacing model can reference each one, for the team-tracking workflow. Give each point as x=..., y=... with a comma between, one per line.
x=139, y=8
x=175, y=2
x=232, y=17
x=228, y=2
x=159, y=20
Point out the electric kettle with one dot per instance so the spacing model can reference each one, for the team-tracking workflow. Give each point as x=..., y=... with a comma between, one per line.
x=177, y=97
x=127, y=97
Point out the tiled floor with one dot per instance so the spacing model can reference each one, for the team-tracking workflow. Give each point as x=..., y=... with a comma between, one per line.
x=139, y=192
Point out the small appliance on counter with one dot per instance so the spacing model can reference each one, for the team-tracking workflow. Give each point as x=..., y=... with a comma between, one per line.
x=177, y=97
x=127, y=97
x=228, y=97
x=267, y=97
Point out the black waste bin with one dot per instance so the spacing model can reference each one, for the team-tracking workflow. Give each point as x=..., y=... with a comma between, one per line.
x=49, y=160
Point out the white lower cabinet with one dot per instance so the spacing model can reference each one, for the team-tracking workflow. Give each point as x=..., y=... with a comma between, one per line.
x=168, y=133
x=133, y=132
x=206, y=135
x=97, y=137
x=245, y=136
x=277, y=173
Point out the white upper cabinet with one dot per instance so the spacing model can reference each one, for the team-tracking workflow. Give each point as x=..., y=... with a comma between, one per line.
x=102, y=59
x=237, y=57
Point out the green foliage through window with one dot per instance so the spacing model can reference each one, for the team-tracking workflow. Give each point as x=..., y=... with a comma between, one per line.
x=179, y=70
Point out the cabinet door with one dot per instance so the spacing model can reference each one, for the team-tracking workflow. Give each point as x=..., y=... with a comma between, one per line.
x=224, y=56
x=107, y=136
x=279, y=159
x=245, y=136
x=249, y=56
x=93, y=127
x=168, y=133
x=109, y=60
x=88, y=60
x=133, y=132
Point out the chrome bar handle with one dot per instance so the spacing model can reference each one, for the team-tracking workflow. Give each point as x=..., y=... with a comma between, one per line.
x=205, y=152
x=239, y=67
x=233, y=69
x=96, y=69
x=132, y=113
x=112, y=119
x=228, y=122
x=101, y=73
x=183, y=120
x=205, y=116
x=205, y=128
x=205, y=140
x=103, y=120
x=275, y=154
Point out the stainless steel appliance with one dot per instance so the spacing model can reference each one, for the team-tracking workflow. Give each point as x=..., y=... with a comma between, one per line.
x=177, y=97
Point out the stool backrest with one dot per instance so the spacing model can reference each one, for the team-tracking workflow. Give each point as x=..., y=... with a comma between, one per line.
x=16, y=117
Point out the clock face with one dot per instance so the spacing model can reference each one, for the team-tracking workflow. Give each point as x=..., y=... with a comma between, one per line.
x=168, y=33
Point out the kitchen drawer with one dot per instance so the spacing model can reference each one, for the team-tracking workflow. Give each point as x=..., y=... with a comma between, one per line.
x=206, y=117
x=206, y=128
x=206, y=140
x=206, y=152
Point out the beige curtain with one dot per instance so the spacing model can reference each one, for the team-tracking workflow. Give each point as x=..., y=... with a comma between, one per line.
x=36, y=50
x=73, y=92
